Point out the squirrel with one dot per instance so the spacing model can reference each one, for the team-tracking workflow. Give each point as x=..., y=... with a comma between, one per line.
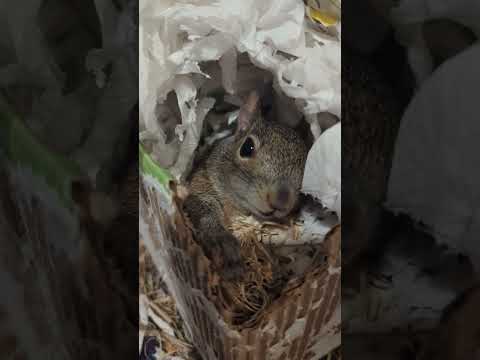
x=257, y=171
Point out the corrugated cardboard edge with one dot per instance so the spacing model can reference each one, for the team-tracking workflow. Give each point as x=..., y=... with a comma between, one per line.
x=291, y=326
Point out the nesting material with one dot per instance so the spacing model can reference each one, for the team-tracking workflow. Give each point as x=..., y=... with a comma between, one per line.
x=241, y=302
x=226, y=320
x=158, y=314
x=273, y=253
x=309, y=227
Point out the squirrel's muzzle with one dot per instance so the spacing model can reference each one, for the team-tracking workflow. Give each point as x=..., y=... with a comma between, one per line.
x=282, y=198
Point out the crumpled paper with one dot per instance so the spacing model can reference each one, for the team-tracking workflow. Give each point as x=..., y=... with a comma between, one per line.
x=408, y=16
x=434, y=176
x=177, y=39
x=322, y=176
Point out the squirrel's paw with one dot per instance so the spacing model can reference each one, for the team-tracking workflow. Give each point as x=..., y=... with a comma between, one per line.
x=227, y=257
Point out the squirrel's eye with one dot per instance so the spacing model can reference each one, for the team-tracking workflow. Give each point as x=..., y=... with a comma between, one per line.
x=248, y=148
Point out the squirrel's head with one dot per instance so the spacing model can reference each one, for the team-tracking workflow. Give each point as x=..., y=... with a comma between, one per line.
x=268, y=161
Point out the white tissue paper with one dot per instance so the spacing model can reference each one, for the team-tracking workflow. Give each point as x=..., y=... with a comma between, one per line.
x=177, y=39
x=435, y=175
x=408, y=16
x=322, y=177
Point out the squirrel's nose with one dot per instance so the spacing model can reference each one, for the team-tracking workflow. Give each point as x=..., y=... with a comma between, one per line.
x=281, y=197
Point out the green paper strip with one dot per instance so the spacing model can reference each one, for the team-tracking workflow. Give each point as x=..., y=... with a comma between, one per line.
x=148, y=166
x=23, y=149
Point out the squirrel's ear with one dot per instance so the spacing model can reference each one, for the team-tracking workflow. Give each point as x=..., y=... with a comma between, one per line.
x=248, y=112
